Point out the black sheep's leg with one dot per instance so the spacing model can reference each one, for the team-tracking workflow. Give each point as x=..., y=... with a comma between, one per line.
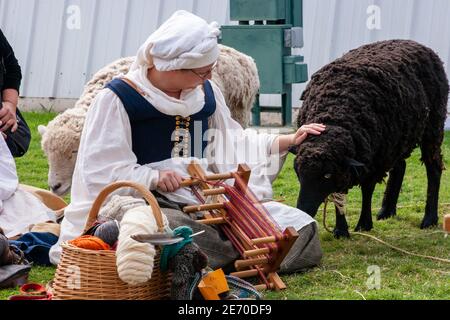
x=434, y=172
x=389, y=207
x=341, y=229
x=365, y=220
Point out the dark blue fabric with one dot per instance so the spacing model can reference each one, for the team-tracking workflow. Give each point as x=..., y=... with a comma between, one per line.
x=152, y=130
x=36, y=246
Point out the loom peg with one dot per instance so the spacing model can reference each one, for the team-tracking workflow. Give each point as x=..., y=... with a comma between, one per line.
x=213, y=192
x=264, y=240
x=245, y=273
x=256, y=252
x=262, y=287
x=240, y=264
x=213, y=221
x=203, y=207
x=211, y=177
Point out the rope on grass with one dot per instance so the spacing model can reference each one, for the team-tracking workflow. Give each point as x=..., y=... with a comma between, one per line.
x=338, y=202
x=404, y=206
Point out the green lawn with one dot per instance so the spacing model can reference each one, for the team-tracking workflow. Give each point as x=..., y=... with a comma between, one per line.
x=344, y=270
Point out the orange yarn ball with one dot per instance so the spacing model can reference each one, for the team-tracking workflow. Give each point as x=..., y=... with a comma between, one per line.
x=90, y=242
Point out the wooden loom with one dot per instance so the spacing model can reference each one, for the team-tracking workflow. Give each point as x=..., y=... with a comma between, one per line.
x=262, y=246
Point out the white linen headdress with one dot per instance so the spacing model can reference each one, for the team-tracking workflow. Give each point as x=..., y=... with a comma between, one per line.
x=184, y=41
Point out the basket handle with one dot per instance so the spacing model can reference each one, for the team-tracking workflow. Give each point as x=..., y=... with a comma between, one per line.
x=93, y=213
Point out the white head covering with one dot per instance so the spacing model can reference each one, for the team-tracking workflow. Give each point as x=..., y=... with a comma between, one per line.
x=184, y=41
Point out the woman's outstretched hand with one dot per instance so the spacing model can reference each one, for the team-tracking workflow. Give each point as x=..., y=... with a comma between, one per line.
x=302, y=133
x=295, y=139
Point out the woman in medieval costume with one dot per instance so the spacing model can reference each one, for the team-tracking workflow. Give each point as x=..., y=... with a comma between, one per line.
x=149, y=125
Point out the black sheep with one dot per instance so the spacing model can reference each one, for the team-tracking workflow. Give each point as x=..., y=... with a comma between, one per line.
x=379, y=102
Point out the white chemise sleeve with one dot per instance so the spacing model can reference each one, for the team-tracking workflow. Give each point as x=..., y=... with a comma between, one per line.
x=105, y=152
x=229, y=145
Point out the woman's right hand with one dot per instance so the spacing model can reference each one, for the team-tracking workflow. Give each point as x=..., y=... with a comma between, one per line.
x=169, y=181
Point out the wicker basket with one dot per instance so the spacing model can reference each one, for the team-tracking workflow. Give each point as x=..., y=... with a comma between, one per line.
x=92, y=275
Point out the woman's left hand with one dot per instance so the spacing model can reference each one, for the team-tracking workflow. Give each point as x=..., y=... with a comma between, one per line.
x=8, y=117
x=303, y=131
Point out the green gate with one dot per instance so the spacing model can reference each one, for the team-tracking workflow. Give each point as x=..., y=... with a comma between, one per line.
x=267, y=31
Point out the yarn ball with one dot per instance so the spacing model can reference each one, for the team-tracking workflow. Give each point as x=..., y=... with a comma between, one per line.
x=90, y=242
x=108, y=232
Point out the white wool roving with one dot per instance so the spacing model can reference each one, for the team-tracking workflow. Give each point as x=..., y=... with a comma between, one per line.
x=135, y=260
x=115, y=208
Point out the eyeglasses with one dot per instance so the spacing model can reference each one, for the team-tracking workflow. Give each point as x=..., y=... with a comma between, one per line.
x=203, y=75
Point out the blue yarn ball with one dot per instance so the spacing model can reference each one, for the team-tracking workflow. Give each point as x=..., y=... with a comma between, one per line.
x=108, y=232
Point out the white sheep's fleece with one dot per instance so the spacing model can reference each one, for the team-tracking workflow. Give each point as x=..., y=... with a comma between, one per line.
x=135, y=260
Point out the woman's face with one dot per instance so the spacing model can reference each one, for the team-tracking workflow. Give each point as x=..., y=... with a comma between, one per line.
x=189, y=78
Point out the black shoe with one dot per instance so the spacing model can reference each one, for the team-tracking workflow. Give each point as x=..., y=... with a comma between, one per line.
x=14, y=275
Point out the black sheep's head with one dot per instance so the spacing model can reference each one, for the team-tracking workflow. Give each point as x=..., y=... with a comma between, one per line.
x=325, y=164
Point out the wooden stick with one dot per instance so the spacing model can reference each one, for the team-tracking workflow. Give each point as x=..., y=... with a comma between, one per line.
x=213, y=192
x=189, y=182
x=245, y=273
x=212, y=221
x=262, y=287
x=203, y=207
x=275, y=279
x=240, y=264
x=244, y=171
x=211, y=177
x=290, y=235
x=264, y=240
x=256, y=252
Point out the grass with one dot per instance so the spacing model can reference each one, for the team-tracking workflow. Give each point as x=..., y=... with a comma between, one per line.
x=344, y=270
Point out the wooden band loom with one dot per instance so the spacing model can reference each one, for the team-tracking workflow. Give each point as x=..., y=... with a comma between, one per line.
x=245, y=222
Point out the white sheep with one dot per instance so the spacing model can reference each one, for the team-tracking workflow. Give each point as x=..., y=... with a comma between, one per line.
x=236, y=75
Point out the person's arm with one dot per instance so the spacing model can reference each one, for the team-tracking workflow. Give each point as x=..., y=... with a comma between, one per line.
x=8, y=119
x=232, y=145
x=10, y=86
x=283, y=142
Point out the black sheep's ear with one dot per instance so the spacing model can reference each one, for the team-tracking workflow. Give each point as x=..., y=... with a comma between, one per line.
x=354, y=163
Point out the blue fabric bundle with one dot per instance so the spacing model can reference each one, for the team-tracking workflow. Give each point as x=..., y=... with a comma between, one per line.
x=36, y=246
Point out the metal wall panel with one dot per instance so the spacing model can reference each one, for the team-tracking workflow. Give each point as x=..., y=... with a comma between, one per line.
x=57, y=61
